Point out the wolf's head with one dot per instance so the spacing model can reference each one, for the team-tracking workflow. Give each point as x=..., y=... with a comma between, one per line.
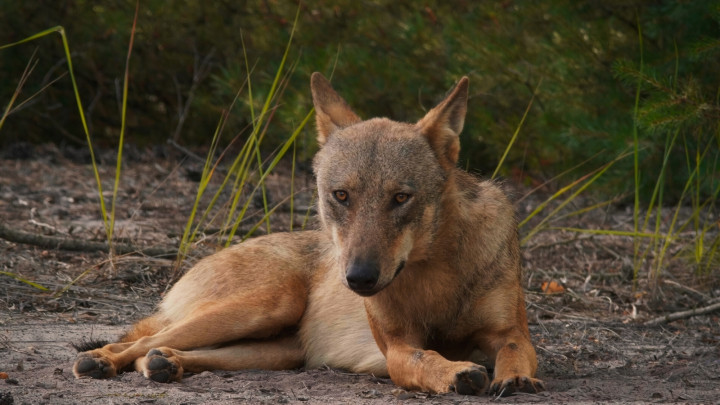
x=380, y=183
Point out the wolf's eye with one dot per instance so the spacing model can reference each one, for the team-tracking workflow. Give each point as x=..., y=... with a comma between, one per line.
x=401, y=198
x=341, y=195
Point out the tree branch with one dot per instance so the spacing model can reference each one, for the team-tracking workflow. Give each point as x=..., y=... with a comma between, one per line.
x=683, y=314
x=54, y=242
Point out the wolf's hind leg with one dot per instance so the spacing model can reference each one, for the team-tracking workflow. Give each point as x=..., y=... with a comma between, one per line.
x=165, y=364
x=256, y=314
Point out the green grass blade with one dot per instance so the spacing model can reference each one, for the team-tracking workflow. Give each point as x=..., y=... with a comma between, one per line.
x=517, y=132
x=558, y=177
x=292, y=187
x=251, y=105
x=608, y=232
x=60, y=30
x=567, y=201
x=123, y=119
x=22, y=280
x=566, y=188
x=655, y=198
x=209, y=169
x=588, y=208
x=71, y=283
x=671, y=231
x=710, y=257
x=636, y=145
x=272, y=165
x=205, y=177
x=40, y=34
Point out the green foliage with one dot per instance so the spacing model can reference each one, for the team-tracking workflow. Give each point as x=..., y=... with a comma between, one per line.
x=618, y=79
x=679, y=97
x=190, y=62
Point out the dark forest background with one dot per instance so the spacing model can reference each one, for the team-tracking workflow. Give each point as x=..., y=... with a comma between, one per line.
x=583, y=60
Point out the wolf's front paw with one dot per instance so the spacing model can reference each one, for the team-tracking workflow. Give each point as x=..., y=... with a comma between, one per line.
x=160, y=366
x=506, y=386
x=471, y=381
x=92, y=366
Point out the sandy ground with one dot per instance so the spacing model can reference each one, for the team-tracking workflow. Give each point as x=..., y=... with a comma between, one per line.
x=591, y=343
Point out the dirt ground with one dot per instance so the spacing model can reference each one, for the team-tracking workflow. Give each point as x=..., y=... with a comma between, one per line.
x=591, y=342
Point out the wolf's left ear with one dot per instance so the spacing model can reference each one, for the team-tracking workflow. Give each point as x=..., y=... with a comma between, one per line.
x=331, y=111
x=442, y=125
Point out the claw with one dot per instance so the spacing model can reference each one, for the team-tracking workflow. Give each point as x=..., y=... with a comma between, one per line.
x=471, y=381
x=516, y=384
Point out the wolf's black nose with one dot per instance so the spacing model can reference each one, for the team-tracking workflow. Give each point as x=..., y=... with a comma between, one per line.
x=362, y=276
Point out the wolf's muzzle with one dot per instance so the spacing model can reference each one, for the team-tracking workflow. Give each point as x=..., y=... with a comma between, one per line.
x=362, y=276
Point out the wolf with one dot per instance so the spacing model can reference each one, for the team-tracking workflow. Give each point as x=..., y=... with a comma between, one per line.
x=414, y=271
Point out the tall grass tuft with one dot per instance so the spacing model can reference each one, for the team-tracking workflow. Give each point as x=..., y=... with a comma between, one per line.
x=123, y=119
x=60, y=30
x=246, y=166
x=674, y=107
x=107, y=219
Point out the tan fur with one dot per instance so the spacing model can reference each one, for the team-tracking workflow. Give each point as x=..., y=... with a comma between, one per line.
x=415, y=270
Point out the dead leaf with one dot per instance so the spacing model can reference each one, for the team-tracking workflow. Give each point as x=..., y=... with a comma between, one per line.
x=552, y=287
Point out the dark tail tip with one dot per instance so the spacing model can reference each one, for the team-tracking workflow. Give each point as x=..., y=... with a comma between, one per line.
x=87, y=345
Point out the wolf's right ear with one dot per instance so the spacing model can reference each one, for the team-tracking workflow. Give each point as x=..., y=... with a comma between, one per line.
x=331, y=111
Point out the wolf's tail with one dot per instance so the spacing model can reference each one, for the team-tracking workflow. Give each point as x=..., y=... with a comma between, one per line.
x=87, y=345
x=146, y=327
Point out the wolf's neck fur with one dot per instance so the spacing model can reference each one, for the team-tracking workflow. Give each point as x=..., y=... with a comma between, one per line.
x=429, y=298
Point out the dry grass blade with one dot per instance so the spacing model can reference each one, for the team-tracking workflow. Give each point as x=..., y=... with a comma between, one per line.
x=23, y=78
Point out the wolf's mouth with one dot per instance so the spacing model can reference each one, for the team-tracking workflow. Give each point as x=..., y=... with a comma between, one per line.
x=399, y=269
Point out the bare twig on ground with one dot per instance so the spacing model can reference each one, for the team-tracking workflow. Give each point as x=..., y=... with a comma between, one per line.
x=683, y=314
x=697, y=294
x=612, y=253
x=186, y=151
x=53, y=242
x=44, y=226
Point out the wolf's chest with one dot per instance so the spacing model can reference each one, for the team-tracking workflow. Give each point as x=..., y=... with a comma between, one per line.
x=335, y=332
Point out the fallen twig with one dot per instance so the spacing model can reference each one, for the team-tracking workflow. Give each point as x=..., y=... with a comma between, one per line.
x=697, y=294
x=683, y=314
x=64, y=243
